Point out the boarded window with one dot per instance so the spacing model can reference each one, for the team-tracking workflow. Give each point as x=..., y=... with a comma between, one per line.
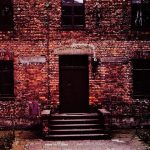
x=73, y=13
x=6, y=79
x=141, y=75
x=141, y=14
x=6, y=15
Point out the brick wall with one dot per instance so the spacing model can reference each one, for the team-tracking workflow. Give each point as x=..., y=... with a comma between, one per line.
x=38, y=39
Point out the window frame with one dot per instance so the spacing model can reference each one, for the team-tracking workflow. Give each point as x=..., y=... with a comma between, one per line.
x=140, y=93
x=7, y=23
x=73, y=26
x=9, y=84
x=142, y=7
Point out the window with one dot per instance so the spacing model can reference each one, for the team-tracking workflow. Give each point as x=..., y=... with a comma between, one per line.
x=141, y=14
x=6, y=15
x=141, y=78
x=6, y=79
x=73, y=13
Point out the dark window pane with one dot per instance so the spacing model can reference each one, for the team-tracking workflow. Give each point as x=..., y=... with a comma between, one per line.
x=141, y=14
x=6, y=11
x=79, y=20
x=67, y=20
x=141, y=63
x=146, y=1
x=78, y=10
x=6, y=78
x=141, y=74
x=6, y=90
x=72, y=13
x=67, y=10
x=6, y=65
x=6, y=14
x=146, y=16
x=137, y=19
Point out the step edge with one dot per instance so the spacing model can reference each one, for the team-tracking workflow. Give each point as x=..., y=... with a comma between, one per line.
x=76, y=135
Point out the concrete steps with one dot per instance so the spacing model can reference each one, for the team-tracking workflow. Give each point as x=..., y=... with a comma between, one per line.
x=76, y=126
x=76, y=136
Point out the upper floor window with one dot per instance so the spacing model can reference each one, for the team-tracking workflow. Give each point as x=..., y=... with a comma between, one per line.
x=141, y=81
x=6, y=79
x=6, y=15
x=141, y=14
x=73, y=13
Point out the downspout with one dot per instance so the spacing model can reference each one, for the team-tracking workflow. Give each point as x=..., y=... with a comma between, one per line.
x=47, y=5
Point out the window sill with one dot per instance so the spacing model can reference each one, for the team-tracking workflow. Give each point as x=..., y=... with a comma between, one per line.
x=141, y=96
x=7, y=98
x=7, y=28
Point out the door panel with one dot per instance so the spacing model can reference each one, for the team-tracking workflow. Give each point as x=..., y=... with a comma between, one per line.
x=74, y=87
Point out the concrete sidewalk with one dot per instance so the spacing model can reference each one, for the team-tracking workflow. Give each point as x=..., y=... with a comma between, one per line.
x=123, y=140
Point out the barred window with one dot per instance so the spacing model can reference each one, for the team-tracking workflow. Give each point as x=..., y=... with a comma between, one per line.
x=6, y=15
x=73, y=13
x=141, y=14
x=6, y=79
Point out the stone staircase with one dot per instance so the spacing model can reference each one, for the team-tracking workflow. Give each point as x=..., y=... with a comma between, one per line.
x=75, y=126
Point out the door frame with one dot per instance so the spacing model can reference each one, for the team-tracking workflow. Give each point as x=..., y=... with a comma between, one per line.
x=87, y=76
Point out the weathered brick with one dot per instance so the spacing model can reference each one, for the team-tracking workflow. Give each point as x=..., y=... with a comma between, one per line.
x=38, y=33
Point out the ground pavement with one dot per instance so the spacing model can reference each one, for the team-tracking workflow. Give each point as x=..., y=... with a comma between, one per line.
x=121, y=140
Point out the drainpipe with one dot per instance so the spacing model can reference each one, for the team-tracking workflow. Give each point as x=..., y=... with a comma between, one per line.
x=48, y=7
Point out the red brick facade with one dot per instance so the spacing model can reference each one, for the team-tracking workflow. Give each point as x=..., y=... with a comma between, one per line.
x=38, y=39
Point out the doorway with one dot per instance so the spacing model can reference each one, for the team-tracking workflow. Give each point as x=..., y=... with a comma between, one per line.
x=73, y=83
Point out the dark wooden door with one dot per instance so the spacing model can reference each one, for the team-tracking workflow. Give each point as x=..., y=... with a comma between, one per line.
x=74, y=85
